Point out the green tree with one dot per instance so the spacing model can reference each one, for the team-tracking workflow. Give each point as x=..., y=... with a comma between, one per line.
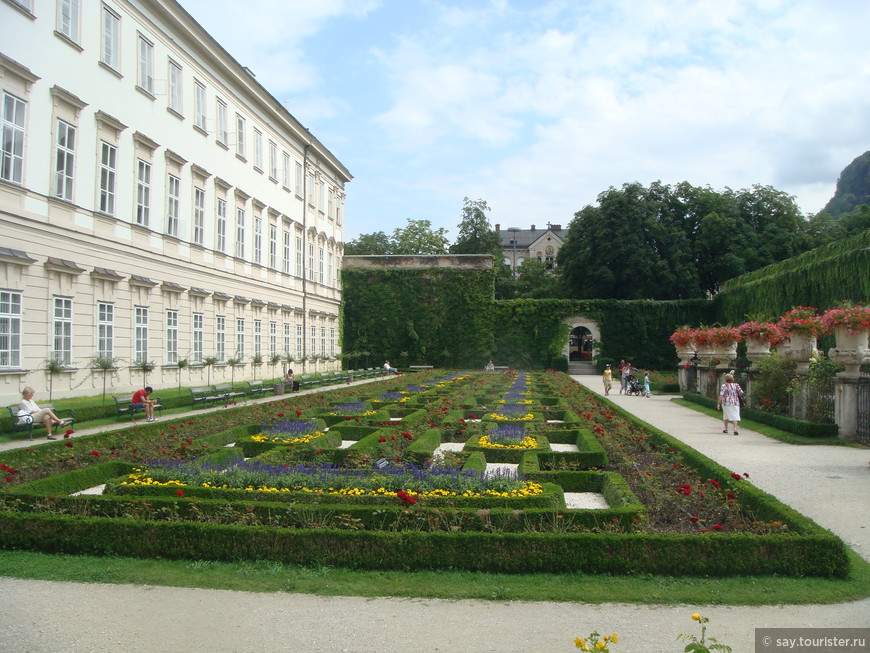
x=536, y=281
x=370, y=244
x=476, y=235
x=418, y=237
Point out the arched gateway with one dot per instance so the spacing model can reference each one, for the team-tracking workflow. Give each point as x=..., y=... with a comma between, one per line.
x=583, y=335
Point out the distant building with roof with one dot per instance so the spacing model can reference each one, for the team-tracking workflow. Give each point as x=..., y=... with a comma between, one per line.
x=519, y=245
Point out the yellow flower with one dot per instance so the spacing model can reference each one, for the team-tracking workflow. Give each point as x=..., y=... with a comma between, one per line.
x=696, y=617
x=579, y=643
x=600, y=645
x=614, y=638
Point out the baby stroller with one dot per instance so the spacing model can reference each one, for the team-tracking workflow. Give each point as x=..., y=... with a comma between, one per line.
x=634, y=387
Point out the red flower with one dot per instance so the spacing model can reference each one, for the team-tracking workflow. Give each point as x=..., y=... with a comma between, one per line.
x=67, y=444
x=745, y=475
x=356, y=419
x=189, y=441
x=95, y=453
x=472, y=417
x=717, y=527
x=298, y=412
x=715, y=484
x=407, y=436
x=279, y=415
x=180, y=493
x=398, y=459
x=694, y=519
x=675, y=465
x=8, y=479
x=190, y=423
x=382, y=439
x=347, y=417
x=730, y=496
x=393, y=437
x=735, y=476
x=68, y=433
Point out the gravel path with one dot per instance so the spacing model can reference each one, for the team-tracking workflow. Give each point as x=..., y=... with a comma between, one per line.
x=829, y=484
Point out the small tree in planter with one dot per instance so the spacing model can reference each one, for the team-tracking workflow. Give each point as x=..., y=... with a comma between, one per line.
x=232, y=362
x=290, y=360
x=52, y=366
x=274, y=359
x=209, y=361
x=256, y=361
x=105, y=364
x=181, y=364
x=145, y=367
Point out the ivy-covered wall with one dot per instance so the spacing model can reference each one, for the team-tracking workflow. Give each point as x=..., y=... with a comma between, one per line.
x=821, y=277
x=435, y=316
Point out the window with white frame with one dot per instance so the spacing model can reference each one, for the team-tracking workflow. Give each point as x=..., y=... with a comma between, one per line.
x=323, y=341
x=221, y=226
x=171, y=337
x=285, y=253
x=10, y=329
x=64, y=162
x=220, y=338
x=286, y=172
x=146, y=65
x=111, y=39
x=329, y=213
x=299, y=179
x=198, y=215
x=175, y=87
x=258, y=149
x=330, y=257
x=310, y=275
x=61, y=350
x=68, y=12
x=299, y=336
x=300, y=261
x=309, y=190
x=106, y=330
x=287, y=338
x=321, y=196
x=258, y=240
x=313, y=330
x=240, y=136
x=108, y=154
x=273, y=246
x=197, y=333
x=240, y=233
x=321, y=261
x=258, y=337
x=273, y=339
x=143, y=193
x=140, y=335
x=223, y=135
x=173, y=200
x=273, y=161
x=240, y=339
x=199, y=106
x=12, y=162
x=332, y=342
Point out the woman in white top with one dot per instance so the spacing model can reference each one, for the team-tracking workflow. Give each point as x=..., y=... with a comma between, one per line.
x=729, y=402
x=44, y=415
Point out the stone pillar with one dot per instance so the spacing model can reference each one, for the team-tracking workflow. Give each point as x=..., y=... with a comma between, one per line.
x=846, y=390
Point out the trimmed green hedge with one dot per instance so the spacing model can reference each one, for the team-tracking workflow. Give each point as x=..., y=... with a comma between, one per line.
x=796, y=426
x=695, y=555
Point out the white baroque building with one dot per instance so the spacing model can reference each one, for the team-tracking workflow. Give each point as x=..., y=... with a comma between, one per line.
x=157, y=205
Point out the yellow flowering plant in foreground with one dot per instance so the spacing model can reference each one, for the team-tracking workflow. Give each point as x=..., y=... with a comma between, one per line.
x=596, y=642
x=704, y=644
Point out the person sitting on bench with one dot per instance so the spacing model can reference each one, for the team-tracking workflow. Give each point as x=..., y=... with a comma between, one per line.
x=390, y=368
x=140, y=400
x=28, y=409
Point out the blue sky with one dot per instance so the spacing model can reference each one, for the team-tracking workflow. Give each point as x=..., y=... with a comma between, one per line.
x=538, y=106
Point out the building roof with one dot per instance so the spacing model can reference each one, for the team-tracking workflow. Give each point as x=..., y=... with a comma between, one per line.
x=527, y=237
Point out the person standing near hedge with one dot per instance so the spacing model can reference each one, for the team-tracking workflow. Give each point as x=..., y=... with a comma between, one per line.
x=623, y=369
x=607, y=378
x=729, y=402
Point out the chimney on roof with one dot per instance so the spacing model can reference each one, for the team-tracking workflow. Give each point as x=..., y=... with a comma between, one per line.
x=533, y=227
x=497, y=228
x=556, y=227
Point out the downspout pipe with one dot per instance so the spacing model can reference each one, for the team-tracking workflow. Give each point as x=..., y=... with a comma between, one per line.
x=305, y=270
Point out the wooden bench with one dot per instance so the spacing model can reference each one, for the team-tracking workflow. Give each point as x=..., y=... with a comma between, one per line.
x=124, y=406
x=64, y=414
x=257, y=388
x=227, y=392
x=420, y=367
x=202, y=395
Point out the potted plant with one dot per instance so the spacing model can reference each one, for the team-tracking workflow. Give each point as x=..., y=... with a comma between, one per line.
x=850, y=323
x=800, y=326
x=683, y=338
x=759, y=336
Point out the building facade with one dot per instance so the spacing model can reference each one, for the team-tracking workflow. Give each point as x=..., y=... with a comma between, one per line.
x=519, y=245
x=157, y=205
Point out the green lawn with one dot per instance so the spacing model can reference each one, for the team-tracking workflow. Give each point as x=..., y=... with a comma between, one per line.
x=255, y=576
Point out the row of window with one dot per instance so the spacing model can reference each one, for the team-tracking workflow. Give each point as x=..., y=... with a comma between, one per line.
x=266, y=339
x=325, y=198
x=264, y=250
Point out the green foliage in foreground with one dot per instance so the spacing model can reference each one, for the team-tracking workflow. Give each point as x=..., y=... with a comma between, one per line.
x=265, y=576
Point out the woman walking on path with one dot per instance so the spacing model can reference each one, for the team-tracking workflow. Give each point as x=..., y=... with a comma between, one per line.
x=729, y=402
x=607, y=378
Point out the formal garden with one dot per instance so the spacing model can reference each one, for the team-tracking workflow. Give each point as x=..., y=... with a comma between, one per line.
x=460, y=471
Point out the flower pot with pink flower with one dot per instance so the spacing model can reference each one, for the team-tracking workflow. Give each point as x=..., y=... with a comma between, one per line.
x=759, y=336
x=800, y=326
x=850, y=324
x=683, y=340
x=724, y=342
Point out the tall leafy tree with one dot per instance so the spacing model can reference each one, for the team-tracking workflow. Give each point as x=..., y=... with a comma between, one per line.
x=476, y=235
x=418, y=237
x=370, y=244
